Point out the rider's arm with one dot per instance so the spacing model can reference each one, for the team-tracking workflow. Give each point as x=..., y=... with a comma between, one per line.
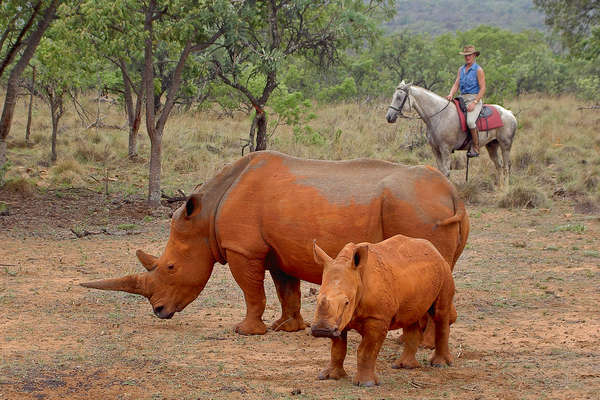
x=481, y=80
x=455, y=86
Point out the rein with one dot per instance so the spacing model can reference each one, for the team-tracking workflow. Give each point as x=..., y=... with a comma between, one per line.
x=399, y=110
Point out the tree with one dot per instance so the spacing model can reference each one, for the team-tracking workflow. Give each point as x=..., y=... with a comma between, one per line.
x=575, y=21
x=115, y=30
x=183, y=28
x=62, y=66
x=269, y=32
x=30, y=44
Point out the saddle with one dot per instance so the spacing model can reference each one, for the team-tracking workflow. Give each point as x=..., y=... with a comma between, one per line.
x=489, y=117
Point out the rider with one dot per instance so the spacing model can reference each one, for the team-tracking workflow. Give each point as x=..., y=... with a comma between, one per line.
x=471, y=81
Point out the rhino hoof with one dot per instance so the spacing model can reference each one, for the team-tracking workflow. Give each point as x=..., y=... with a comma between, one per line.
x=289, y=325
x=251, y=328
x=438, y=360
x=331, y=373
x=406, y=364
x=365, y=382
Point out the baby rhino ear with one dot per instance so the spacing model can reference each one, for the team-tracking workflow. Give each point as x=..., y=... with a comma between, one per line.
x=193, y=205
x=319, y=254
x=361, y=254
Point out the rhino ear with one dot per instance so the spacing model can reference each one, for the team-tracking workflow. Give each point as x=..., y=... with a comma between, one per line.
x=147, y=260
x=319, y=254
x=361, y=254
x=193, y=205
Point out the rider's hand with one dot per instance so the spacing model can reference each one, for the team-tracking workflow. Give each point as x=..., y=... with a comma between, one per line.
x=449, y=97
x=470, y=107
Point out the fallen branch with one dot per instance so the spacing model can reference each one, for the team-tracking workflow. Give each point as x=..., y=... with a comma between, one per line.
x=85, y=233
x=100, y=124
x=171, y=199
x=596, y=107
x=103, y=231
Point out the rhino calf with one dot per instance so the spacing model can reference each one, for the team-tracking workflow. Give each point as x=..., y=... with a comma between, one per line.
x=374, y=288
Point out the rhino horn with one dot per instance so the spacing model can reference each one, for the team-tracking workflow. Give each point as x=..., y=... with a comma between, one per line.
x=147, y=260
x=135, y=284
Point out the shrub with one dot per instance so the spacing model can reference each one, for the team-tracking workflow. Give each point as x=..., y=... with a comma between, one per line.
x=469, y=191
x=523, y=197
x=24, y=186
x=66, y=165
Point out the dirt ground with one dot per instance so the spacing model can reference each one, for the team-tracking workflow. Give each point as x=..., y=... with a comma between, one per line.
x=528, y=328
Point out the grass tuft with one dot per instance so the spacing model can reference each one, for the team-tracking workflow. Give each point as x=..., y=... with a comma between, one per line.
x=24, y=186
x=523, y=197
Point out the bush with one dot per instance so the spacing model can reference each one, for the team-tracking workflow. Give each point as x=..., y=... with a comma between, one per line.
x=523, y=197
x=23, y=186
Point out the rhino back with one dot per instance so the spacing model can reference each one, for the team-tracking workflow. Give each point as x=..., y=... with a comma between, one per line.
x=279, y=204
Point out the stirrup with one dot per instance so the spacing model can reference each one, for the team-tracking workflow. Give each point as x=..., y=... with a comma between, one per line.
x=472, y=153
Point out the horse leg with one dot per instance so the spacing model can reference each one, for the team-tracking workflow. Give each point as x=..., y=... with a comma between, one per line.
x=506, y=163
x=438, y=158
x=492, y=149
x=445, y=162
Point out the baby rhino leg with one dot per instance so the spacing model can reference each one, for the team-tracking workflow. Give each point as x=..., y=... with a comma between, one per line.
x=373, y=335
x=412, y=338
x=444, y=313
x=335, y=369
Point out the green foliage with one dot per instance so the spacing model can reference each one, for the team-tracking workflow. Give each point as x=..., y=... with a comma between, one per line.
x=577, y=22
x=292, y=107
x=345, y=91
x=4, y=168
x=576, y=228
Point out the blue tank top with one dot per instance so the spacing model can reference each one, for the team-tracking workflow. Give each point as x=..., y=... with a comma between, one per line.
x=468, y=81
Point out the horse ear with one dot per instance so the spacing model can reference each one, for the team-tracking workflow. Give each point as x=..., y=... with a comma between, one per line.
x=402, y=83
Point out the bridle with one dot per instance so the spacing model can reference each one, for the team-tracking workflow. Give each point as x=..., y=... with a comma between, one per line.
x=399, y=109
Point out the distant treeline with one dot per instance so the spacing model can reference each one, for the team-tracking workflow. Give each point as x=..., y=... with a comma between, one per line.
x=441, y=16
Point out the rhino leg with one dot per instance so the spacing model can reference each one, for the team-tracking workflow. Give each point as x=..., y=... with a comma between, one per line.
x=373, y=334
x=335, y=369
x=250, y=276
x=288, y=291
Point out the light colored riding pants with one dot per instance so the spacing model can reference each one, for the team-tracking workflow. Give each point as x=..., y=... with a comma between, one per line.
x=472, y=116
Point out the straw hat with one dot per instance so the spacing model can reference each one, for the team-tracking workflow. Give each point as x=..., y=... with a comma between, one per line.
x=469, y=50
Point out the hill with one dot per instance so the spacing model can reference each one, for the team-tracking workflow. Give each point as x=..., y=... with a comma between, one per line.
x=441, y=16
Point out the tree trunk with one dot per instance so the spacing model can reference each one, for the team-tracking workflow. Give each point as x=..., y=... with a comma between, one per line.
x=155, y=171
x=10, y=100
x=28, y=129
x=148, y=82
x=56, y=109
x=3, y=159
x=261, y=131
x=53, y=112
x=133, y=112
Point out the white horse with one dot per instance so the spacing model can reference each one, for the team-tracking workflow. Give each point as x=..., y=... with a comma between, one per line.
x=444, y=132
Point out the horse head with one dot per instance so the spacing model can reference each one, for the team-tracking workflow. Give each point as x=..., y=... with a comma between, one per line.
x=400, y=97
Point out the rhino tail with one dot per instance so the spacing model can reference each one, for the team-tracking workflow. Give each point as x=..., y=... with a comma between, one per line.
x=460, y=212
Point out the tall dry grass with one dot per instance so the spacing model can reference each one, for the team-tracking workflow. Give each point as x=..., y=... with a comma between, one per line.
x=555, y=155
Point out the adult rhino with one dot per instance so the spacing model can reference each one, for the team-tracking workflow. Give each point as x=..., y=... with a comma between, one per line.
x=263, y=212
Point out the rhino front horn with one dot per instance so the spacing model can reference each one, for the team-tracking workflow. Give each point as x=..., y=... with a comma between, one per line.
x=131, y=284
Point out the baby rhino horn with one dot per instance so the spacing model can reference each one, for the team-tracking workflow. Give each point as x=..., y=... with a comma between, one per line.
x=147, y=260
x=135, y=284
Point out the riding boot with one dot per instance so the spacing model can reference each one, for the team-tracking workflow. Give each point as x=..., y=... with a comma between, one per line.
x=474, y=150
